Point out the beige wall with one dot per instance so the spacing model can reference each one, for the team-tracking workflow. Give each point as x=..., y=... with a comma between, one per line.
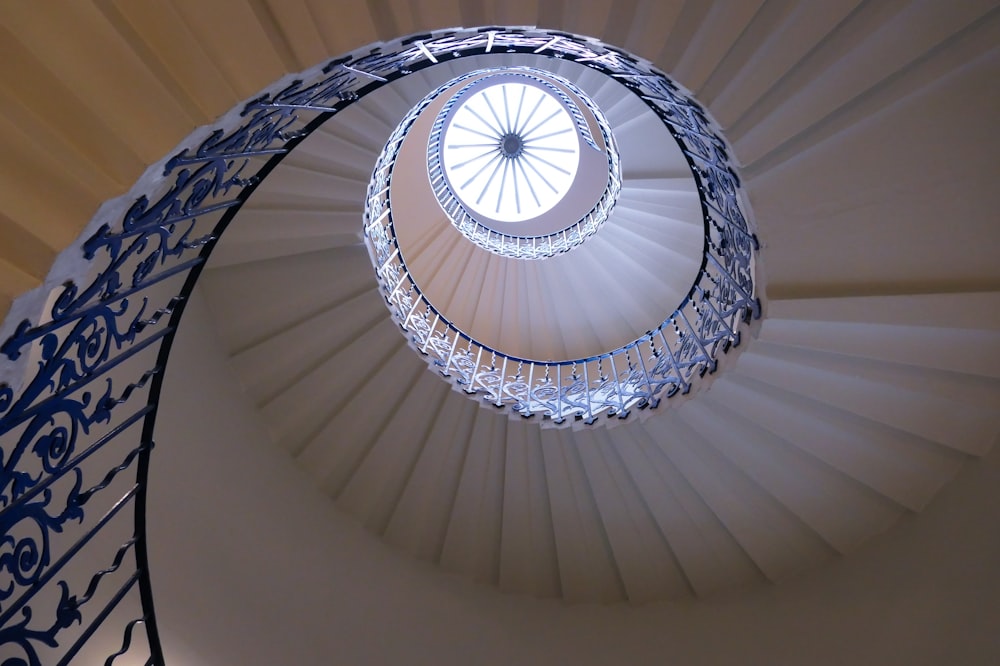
x=94, y=91
x=252, y=566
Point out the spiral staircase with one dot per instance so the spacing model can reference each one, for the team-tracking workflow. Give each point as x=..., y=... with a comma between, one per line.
x=865, y=134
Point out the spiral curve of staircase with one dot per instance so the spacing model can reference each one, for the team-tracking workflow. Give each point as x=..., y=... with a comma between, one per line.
x=828, y=427
x=871, y=377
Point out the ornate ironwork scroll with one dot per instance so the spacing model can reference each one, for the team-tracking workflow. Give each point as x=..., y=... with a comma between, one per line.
x=666, y=360
x=76, y=435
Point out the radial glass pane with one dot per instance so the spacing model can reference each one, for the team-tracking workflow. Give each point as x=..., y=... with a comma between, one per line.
x=511, y=151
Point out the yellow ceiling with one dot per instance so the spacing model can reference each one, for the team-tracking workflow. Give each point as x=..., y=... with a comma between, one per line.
x=94, y=91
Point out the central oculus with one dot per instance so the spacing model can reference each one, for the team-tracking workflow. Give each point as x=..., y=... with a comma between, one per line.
x=521, y=161
x=511, y=150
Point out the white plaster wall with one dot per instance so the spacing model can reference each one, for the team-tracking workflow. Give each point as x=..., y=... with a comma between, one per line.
x=251, y=566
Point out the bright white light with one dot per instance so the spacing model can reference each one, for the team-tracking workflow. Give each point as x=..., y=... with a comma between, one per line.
x=510, y=151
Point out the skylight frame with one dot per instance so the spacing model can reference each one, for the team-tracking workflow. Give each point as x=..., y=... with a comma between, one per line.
x=511, y=150
x=577, y=216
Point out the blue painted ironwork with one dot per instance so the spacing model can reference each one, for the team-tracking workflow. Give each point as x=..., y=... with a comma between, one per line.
x=76, y=434
x=659, y=364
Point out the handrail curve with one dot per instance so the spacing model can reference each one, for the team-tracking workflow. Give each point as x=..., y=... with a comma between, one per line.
x=93, y=357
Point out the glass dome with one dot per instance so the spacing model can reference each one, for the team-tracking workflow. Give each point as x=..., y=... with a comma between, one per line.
x=510, y=150
x=522, y=161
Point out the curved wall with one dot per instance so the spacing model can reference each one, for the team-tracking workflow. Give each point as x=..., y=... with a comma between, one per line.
x=241, y=579
x=923, y=594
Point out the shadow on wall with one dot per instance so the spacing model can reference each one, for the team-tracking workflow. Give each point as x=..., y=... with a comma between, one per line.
x=252, y=565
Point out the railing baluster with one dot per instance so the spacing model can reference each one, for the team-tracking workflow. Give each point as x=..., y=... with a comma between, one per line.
x=531, y=384
x=56, y=567
x=709, y=360
x=93, y=626
x=622, y=413
x=181, y=210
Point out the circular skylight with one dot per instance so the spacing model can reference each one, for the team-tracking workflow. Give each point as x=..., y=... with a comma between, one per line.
x=511, y=151
x=528, y=337
x=521, y=161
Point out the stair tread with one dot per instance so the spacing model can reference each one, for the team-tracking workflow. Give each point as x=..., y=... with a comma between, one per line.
x=252, y=302
x=586, y=565
x=901, y=466
x=706, y=551
x=528, y=563
x=916, y=409
x=644, y=559
x=373, y=491
x=420, y=521
x=778, y=542
x=333, y=454
x=272, y=365
x=472, y=542
x=295, y=415
x=843, y=512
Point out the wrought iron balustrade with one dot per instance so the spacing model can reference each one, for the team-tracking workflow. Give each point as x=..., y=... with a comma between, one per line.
x=659, y=364
x=84, y=371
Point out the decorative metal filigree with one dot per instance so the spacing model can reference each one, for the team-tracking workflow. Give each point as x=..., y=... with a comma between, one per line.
x=663, y=362
x=95, y=357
